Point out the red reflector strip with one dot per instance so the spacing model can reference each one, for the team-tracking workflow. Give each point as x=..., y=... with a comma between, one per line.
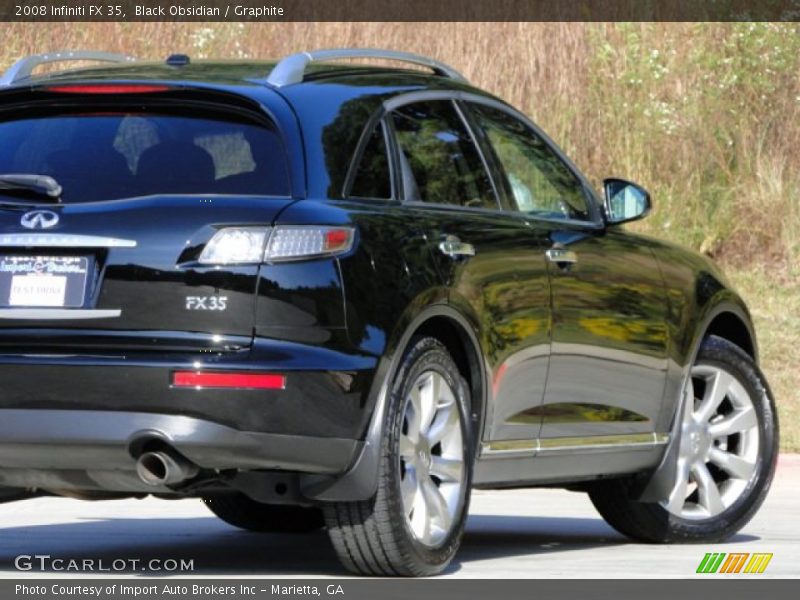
x=107, y=89
x=255, y=381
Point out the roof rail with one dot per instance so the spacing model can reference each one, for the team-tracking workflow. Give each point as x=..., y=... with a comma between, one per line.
x=23, y=68
x=292, y=68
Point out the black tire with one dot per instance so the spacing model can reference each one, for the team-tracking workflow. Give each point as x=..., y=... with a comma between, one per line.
x=245, y=513
x=651, y=522
x=373, y=537
x=14, y=494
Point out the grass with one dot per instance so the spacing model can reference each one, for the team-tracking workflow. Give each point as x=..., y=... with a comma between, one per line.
x=776, y=312
x=705, y=115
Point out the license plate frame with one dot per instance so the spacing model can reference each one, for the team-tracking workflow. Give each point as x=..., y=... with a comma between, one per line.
x=43, y=281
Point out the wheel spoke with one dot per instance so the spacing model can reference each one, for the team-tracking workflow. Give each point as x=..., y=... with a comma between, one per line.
x=716, y=389
x=446, y=469
x=707, y=490
x=736, y=466
x=407, y=448
x=409, y=489
x=740, y=420
x=420, y=519
x=677, y=497
x=430, y=400
x=414, y=414
x=446, y=418
x=688, y=407
x=437, y=505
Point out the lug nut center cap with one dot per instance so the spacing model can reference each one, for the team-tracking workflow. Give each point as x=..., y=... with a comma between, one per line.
x=424, y=455
x=694, y=440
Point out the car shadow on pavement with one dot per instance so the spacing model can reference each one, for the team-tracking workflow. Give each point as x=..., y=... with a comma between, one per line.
x=217, y=548
x=496, y=536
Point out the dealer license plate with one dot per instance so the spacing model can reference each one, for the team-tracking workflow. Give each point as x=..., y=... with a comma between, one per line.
x=43, y=281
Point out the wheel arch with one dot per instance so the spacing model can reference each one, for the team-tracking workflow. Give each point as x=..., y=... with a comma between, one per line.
x=457, y=333
x=727, y=324
x=452, y=330
x=729, y=319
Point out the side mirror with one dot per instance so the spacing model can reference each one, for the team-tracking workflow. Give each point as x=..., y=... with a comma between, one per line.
x=625, y=201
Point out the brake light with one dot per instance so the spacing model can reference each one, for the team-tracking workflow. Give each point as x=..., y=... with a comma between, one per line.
x=253, y=381
x=103, y=88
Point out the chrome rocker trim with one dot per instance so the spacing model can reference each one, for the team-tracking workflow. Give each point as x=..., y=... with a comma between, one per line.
x=549, y=446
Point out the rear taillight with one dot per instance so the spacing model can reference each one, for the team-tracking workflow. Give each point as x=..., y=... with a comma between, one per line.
x=303, y=242
x=107, y=88
x=246, y=245
x=253, y=381
x=235, y=245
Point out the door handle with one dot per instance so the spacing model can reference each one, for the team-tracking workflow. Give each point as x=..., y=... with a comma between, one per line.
x=454, y=248
x=561, y=256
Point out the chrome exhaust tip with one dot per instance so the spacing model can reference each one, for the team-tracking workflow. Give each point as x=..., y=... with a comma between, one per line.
x=161, y=468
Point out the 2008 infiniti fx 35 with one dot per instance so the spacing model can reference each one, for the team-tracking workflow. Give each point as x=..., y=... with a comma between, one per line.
x=318, y=294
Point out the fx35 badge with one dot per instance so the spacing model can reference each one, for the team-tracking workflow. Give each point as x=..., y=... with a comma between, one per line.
x=218, y=303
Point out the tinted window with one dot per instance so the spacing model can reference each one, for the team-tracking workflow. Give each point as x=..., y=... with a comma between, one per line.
x=373, y=178
x=443, y=161
x=538, y=180
x=103, y=157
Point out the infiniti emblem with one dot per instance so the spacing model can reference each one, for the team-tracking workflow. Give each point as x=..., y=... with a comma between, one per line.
x=39, y=219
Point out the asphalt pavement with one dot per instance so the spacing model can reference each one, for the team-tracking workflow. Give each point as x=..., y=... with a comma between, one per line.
x=510, y=534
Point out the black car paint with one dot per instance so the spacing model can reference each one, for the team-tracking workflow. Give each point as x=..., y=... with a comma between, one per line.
x=337, y=326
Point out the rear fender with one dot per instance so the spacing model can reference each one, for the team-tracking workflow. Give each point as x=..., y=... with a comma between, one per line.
x=360, y=482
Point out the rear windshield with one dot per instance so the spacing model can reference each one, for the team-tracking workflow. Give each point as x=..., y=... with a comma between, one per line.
x=108, y=156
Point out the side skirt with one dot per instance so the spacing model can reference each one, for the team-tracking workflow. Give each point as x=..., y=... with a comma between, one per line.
x=562, y=460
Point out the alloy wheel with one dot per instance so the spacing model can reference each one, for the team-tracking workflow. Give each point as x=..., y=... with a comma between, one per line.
x=719, y=445
x=431, y=458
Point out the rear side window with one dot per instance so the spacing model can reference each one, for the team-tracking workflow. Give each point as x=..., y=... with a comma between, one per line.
x=440, y=156
x=109, y=156
x=373, y=177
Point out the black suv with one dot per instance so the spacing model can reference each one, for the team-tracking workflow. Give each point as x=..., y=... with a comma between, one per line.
x=319, y=294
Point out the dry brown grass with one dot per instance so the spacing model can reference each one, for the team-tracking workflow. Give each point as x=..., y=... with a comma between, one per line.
x=704, y=115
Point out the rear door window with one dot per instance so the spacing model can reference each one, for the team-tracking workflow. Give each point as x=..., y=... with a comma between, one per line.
x=106, y=156
x=442, y=164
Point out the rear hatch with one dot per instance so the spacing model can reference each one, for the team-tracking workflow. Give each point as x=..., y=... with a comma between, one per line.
x=148, y=176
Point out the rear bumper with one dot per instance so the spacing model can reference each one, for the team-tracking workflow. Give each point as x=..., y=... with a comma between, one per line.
x=70, y=439
x=326, y=394
x=82, y=449
x=79, y=421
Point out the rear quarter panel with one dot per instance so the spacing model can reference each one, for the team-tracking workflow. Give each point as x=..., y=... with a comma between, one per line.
x=387, y=279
